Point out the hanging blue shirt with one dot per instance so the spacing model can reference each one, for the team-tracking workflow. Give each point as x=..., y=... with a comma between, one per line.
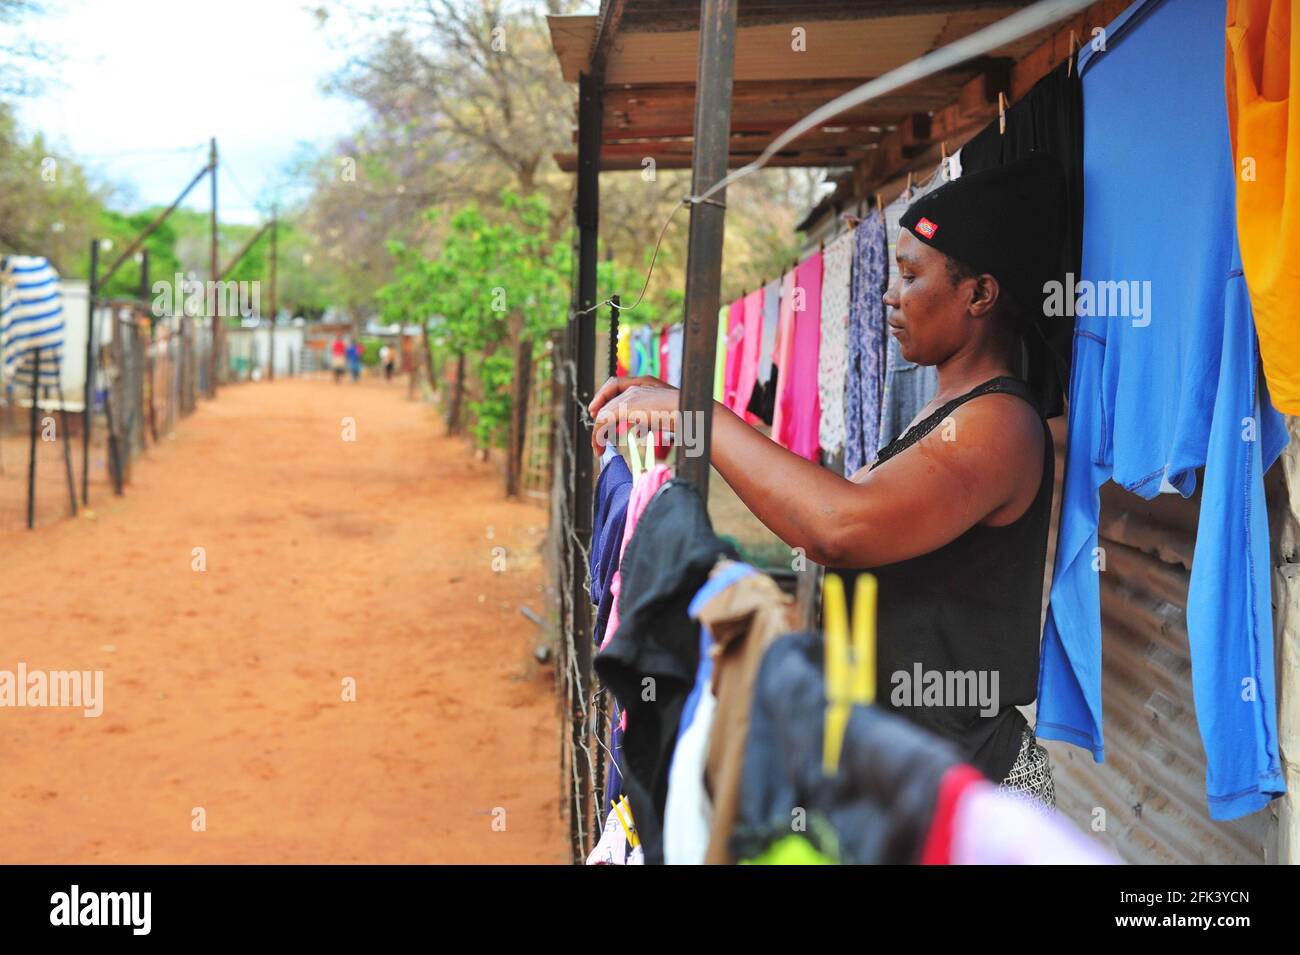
x=1166, y=387
x=609, y=515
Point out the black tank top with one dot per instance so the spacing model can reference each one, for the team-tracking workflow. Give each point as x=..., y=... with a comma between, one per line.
x=951, y=621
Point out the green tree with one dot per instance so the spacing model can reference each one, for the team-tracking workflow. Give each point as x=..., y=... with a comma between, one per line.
x=497, y=287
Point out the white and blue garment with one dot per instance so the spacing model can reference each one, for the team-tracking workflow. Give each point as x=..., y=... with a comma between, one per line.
x=31, y=318
x=864, y=391
x=1160, y=391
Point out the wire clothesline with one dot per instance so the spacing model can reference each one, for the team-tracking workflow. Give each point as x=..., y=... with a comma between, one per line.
x=1008, y=30
x=853, y=223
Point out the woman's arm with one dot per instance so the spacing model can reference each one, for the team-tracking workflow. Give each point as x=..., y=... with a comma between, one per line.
x=987, y=456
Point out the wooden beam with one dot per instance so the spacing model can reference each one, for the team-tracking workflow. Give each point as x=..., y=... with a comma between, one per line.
x=568, y=162
x=822, y=49
x=610, y=19
x=976, y=102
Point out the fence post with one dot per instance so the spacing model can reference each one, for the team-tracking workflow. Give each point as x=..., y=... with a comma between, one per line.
x=87, y=414
x=214, y=357
x=31, y=457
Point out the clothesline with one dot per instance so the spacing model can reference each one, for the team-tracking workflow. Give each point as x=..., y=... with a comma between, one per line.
x=1007, y=30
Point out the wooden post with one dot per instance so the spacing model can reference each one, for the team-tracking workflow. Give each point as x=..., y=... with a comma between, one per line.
x=214, y=356
x=151, y=351
x=66, y=440
x=31, y=453
x=270, y=365
x=583, y=324
x=87, y=415
x=519, y=414
x=110, y=420
x=704, y=244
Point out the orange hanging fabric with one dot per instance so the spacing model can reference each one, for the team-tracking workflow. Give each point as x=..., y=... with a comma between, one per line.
x=1263, y=61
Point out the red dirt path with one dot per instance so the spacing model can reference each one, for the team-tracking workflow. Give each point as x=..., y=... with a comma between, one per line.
x=325, y=559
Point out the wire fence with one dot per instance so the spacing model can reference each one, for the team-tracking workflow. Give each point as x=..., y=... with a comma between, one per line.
x=147, y=375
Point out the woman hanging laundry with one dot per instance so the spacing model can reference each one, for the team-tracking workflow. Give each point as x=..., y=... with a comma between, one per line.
x=952, y=517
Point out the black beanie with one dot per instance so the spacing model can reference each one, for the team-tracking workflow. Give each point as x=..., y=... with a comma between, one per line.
x=1008, y=221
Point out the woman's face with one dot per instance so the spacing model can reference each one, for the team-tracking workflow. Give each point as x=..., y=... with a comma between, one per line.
x=929, y=316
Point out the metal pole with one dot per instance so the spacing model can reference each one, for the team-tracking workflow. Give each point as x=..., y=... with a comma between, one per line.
x=601, y=730
x=243, y=251
x=584, y=373
x=66, y=441
x=613, y=337
x=704, y=245
x=89, y=397
x=270, y=365
x=149, y=229
x=31, y=455
x=151, y=350
x=214, y=355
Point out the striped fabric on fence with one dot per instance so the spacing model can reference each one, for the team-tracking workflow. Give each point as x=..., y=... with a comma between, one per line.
x=31, y=317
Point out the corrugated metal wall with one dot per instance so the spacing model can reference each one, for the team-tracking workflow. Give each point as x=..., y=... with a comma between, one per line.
x=1284, y=527
x=1149, y=794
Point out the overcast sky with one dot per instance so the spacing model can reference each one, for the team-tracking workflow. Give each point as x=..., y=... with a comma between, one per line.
x=142, y=84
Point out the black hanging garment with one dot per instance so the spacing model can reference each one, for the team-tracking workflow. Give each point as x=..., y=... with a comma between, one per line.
x=882, y=801
x=762, y=403
x=973, y=606
x=651, y=659
x=1048, y=119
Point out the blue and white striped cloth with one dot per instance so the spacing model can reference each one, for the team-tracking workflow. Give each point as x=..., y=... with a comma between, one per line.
x=31, y=317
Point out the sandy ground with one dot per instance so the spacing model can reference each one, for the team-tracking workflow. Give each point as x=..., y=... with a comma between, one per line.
x=325, y=560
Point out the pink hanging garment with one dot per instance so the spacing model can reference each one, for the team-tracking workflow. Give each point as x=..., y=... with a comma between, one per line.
x=800, y=407
x=642, y=491
x=781, y=350
x=663, y=353
x=991, y=827
x=752, y=309
x=735, y=339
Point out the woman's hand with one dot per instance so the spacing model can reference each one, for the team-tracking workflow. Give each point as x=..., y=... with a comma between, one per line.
x=643, y=402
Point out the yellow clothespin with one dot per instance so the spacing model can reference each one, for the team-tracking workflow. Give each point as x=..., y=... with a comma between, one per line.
x=850, y=660
x=880, y=206
x=623, y=810
x=1002, y=113
x=1074, y=49
x=635, y=454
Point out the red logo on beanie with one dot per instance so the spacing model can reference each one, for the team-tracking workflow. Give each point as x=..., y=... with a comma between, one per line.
x=926, y=228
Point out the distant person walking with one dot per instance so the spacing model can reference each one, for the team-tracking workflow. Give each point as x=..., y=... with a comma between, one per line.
x=338, y=358
x=355, y=351
x=386, y=359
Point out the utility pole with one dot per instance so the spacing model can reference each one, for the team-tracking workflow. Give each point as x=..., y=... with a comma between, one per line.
x=213, y=297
